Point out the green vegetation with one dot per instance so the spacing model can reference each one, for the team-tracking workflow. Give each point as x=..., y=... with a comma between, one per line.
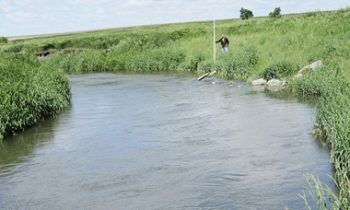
x=270, y=47
x=3, y=40
x=29, y=92
x=279, y=70
x=321, y=196
x=245, y=14
x=276, y=13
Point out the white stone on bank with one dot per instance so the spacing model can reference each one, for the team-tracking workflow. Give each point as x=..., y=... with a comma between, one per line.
x=259, y=82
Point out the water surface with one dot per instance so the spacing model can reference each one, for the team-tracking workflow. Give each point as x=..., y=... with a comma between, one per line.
x=163, y=142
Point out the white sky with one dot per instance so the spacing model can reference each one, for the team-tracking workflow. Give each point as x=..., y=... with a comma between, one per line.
x=29, y=17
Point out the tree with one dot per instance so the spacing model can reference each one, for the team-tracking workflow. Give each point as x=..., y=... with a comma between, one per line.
x=246, y=13
x=276, y=13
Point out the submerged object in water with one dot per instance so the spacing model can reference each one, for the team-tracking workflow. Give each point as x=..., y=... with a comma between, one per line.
x=206, y=75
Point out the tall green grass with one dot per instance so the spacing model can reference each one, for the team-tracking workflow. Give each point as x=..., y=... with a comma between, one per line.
x=332, y=120
x=319, y=195
x=29, y=92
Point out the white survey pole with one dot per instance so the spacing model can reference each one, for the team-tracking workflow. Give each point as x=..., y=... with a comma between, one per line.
x=214, y=31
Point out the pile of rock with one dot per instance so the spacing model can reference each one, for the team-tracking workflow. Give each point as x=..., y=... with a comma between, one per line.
x=308, y=68
x=276, y=85
x=273, y=84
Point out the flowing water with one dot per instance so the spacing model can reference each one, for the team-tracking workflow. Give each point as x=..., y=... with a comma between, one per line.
x=164, y=142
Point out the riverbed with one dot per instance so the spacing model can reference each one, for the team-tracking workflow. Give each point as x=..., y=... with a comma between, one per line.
x=164, y=142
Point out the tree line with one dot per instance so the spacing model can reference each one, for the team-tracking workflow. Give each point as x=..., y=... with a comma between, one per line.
x=245, y=14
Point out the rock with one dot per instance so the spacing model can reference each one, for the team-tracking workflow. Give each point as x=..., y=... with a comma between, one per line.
x=275, y=84
x=311, y=67
x=259, y=82
x=297, y=76
x=260, y=88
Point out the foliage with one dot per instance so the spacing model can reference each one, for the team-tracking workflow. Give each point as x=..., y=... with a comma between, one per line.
x=333, y=119
x=3, y=40
x=319, y=196
x=279, y=70
x=238, y=65
x=193, y=62
x=245, y=14
x=276, y=13
x=29, y=92
x=155, y=61
x=85, y=61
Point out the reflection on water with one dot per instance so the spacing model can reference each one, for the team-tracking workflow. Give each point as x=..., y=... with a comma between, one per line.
x=286, y=96
x=15, y=150
x=164, y=142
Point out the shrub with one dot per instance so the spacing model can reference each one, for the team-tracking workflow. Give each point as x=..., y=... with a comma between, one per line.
x=48, y=46
x=246, y=14
x=275, y=13
x=279, y=70
x=3, y=40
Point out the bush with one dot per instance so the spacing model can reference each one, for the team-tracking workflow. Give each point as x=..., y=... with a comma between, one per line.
x=276, y=13
x=246, y=14
x=3, y=40
x=48, y=46
x=279, y=70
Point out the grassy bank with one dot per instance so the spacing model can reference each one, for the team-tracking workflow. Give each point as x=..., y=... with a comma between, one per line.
x=274, y=48
x=29, y=92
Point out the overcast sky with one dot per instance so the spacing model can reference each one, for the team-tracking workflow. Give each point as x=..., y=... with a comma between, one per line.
x=28, y=17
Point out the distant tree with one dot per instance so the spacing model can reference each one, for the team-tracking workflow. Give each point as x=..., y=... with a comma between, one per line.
x=276, y=13
x=246, y=13
x=3, y=40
